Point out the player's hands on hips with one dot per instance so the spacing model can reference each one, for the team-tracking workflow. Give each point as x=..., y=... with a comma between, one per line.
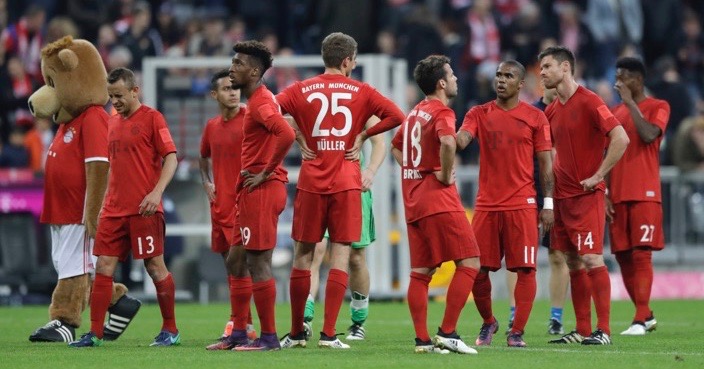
x=547, y=220
x=624, y=92
x=445, y=179
x=367, y=179
x=252, y=180
x=306, y=152
x=353, y=153
x=610, y=212
x=209, y=190
x=150, y=204
x=590, y=183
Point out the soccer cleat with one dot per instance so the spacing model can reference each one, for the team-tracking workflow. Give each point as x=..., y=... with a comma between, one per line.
x=119, y=317
x=427, y=347
x=267, y=342
x=54, y=331
x=486, y=333
x=636, y=329
x=452, y=342
x=237, y=338
x=598, y=337
x=87, y=340
x=515, y=340
x=166, y=338
x=251, y=332
x=355, y=333
x=331, y=342
x=289, y=341
x=650, y=323
x=555, y=327
x=228, y=329
x=308, y=329
x=309, y=312
x=572, y=337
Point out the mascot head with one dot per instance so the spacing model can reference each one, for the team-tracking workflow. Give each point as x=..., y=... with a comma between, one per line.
x=75, y=79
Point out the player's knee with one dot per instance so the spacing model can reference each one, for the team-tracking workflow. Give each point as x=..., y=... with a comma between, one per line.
x=592, y=261
x=357, y=261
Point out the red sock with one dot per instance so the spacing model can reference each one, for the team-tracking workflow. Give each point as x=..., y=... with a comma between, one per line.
x=99, y=302
x=241, y=295
x=299, y=288
x=524, y=295
x=231, y=284
x=166, y=295
x=642, y=282
x=581, y=290
x=601, y=292
x=418, y=304
x=334, y=294
x=482, y=297
x=457, y=293
x=265, y=300
x=625, y=262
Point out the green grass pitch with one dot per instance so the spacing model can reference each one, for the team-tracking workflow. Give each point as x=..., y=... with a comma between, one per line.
x=677, y=343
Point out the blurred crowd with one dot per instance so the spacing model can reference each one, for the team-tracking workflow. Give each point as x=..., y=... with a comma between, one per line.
x=476, y=34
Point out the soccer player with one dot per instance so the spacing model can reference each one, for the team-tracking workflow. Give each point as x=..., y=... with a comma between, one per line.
x=221, y=144
x=559, y=272
x=505, y=219
x=438, y=229
x=359, y=272
x=331, y=111
x=634, y=204
x=267, y=137
x=142, y=162
x=580, y=123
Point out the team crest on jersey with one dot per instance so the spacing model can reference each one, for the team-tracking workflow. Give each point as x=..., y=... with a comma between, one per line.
x=68, y=136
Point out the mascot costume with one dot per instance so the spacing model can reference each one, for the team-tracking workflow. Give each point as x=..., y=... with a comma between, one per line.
x=75, y=182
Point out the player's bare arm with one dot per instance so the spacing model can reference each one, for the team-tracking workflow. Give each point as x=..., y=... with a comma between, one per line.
x=398, y=155
x=151, y=202
x=617, y=146
x=96, y=183
x=463, y=139
x=376, y=158
x=547, y=183
x=446, y=174
x=208, y=185
x=306, y=152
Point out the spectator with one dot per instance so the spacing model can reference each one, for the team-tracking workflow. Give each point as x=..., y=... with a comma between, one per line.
x=25, y=38
x=89, y=15
x=14, y=154
x=690, y=53
x=210, y=42
x=33, y=143
x=167, y=25
x=141, y=39
x=482, y=51
x=59, y=27
x=689, y=144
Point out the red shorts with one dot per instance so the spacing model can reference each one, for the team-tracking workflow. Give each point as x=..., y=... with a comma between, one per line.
x=513, y=233
x=441, y=237
x=220, y=238
x=144, y=236
x=579, y=224
x=258, y=213
x=340, y=213
x=637, y=224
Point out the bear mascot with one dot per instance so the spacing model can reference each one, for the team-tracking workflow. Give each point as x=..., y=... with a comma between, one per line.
x=76, y=176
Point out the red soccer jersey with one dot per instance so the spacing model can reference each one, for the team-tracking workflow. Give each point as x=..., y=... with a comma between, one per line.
x=507, y=143
x=222, y=142
x=331, y=110
x=266, y=136
x=82, y=140
x=636, y=177
x=137, y=146
x=419, y=141
x=579, y=129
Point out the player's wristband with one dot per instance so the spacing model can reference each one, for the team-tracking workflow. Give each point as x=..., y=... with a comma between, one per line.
x=548, y=204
